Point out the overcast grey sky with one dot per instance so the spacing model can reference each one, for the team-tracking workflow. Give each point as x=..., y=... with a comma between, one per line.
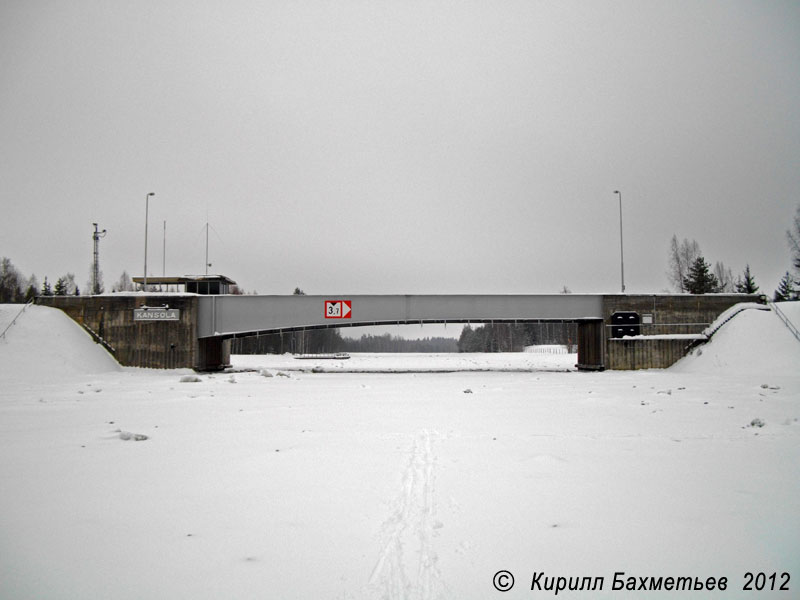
x=400, y=147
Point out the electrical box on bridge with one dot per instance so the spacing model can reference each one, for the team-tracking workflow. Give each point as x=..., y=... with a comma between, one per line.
x=625, y=323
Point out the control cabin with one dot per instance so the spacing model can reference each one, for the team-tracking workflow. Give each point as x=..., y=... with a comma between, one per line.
x=191, y=284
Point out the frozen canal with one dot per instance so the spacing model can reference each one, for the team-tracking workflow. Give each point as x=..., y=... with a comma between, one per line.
x=272, y=482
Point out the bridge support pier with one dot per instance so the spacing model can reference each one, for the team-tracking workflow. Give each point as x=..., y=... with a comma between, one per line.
x=213, y=354
x=591, y=343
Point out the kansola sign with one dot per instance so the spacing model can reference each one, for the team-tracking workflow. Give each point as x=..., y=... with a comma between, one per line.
x=338, y=309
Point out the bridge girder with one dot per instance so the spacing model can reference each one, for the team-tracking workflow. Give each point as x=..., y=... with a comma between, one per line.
x=232, y=316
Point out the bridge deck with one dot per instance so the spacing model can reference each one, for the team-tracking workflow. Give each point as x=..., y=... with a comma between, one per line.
x=229, y=316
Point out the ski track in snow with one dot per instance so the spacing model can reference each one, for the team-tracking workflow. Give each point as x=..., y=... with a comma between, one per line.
x=407, y=535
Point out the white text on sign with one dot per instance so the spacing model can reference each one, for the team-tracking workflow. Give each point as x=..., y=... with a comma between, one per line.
x=156, y=314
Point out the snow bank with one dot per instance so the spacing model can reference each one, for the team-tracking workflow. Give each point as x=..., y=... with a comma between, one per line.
x=548, y=349
x=731, y=312
x=751, y=342
x=46, y=345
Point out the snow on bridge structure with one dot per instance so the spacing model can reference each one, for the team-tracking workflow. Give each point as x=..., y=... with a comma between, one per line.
x=164, y=330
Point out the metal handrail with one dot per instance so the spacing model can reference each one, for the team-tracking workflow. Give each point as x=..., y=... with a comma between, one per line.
x=791, y=326
x=99, y=340
x=14, y=320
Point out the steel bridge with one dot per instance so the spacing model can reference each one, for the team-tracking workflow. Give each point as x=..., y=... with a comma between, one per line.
x=223, y=317
x=235, y=316
x=194, y=330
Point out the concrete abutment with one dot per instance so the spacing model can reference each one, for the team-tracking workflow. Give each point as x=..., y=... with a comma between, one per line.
x=160, y=344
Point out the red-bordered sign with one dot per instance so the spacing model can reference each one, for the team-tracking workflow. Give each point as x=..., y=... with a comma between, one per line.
x=338, y=309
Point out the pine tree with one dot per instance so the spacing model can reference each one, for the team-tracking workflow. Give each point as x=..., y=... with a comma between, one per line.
x=700, y=279
x=786, y=290
x=747, y=284
x=31, y=293
x=61, y=287
x=46, y=291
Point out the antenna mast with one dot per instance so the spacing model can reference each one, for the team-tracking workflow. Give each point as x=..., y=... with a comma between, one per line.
x=207, y=265
x=96, y=263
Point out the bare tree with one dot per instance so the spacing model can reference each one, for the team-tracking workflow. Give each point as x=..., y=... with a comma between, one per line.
x=724, y=276
x=124, y=284
x=95, y=286
x=71, y=286
x=681, y=257
x=10, y=282
x=793, y=236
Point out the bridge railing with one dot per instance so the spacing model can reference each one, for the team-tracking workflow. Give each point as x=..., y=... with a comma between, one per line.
x=14, y=320
x=786, y=321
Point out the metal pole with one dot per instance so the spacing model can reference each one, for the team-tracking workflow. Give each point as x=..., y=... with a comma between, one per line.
x=146, y=212
x=621, y=253
x=206, y=247
x=164, y=253
x=96, y=263
x=95, y=239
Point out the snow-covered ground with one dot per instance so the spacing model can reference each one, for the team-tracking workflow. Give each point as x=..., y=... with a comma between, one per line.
x=411, y=362
x=394, y=485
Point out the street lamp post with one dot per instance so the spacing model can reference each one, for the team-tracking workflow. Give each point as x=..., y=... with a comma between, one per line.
x=621, y=254
x=146, y=210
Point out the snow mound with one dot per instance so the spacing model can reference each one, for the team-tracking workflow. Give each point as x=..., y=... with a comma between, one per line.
x=136, y=437
x=751, y=342
x=729, y=314
x=46, y=345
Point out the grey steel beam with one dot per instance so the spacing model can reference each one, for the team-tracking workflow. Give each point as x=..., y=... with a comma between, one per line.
x=228, y=316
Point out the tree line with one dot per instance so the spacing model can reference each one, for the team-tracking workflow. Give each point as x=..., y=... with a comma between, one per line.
x=689, y=272
x=328, y=341
x=491, y=337
x=17, y=288
x=514, y=337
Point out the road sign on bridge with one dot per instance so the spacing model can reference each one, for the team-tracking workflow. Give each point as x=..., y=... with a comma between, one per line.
x=338, y=309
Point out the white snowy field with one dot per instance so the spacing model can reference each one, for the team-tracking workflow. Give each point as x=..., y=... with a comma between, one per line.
x=394, y=485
